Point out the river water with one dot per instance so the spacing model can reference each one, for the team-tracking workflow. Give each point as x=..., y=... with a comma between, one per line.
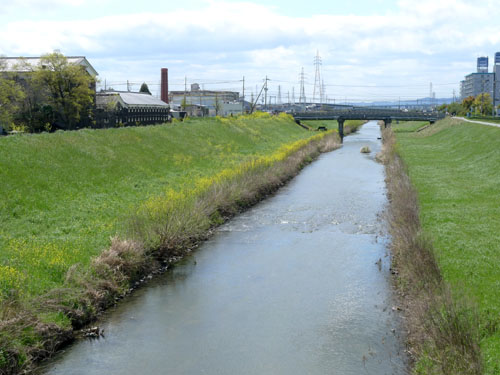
x=292, y=286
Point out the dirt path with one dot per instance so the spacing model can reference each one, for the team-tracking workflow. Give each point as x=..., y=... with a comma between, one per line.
x=478, y=122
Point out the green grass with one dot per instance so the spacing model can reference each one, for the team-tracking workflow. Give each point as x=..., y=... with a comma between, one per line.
x=64, y=195
x=455, y=167
x=408, y=126
x=492, y=119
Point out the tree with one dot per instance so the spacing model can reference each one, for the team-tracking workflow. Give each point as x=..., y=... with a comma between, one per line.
x=456, y=108
x=145, y=88
x=11, y=96
x=484, y=104
x=218, y=105
x=68, y=89
x=34, y=114
x=442, y=108
x=467, y=103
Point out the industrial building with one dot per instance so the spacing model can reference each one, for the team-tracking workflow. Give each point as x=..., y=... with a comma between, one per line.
x=129, y=108
x=217, y=102
x=483, y=81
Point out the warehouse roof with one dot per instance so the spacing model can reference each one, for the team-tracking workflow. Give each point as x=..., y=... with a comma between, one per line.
x=129, y=99
x=24, y=64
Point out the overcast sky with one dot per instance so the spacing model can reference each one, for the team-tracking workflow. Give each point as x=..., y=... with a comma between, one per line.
x=371, y=49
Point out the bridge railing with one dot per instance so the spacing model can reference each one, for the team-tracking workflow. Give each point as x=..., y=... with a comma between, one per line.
x=363, y=113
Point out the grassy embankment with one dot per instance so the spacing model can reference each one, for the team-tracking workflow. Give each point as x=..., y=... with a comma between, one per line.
x=84, y=214
x=447, y=243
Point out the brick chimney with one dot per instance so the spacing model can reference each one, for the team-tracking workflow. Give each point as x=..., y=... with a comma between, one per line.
x=164, y=85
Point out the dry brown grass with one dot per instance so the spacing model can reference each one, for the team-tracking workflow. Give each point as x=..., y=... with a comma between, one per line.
x=442, y=329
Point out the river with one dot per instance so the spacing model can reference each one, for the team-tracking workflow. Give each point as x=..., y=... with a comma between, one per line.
x=299, y=284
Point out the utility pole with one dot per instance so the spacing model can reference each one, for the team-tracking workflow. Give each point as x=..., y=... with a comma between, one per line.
x=322, y=97
x=293, y=94
x=264, y=86
x=279, y=94
x=185, y=92
x=265, y=93
x=430, y=96
x=243, y=99
x=128, y=86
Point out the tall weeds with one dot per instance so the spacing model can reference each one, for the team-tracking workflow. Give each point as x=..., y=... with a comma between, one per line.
x=170, y=224
x=442, y=327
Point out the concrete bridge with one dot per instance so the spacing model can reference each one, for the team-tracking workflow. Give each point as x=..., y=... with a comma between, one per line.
x=364, y=113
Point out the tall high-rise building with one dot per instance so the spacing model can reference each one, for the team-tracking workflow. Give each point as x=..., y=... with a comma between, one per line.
x=482, y=64
x=482, y=81
x=496, y=85
x=496, y=64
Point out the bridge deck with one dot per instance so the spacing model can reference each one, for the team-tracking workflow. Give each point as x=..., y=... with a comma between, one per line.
x=361, y=113
x=368, y=114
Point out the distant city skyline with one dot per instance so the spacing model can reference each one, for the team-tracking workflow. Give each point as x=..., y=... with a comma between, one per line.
x=371, y=50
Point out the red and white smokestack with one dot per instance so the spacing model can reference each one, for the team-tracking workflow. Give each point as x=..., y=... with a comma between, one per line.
x=164, y=85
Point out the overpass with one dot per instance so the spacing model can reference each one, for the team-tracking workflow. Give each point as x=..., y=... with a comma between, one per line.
x=366, y=113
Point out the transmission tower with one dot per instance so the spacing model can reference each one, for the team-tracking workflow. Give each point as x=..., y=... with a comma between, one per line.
x=302, y=95
x=318, y=89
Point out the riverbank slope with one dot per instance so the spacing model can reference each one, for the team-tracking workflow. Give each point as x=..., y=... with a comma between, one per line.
x=86, y=214
x=455, y=169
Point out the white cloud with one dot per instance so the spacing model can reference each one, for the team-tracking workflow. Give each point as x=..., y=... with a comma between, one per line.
x=39, y=5
x=235, y=39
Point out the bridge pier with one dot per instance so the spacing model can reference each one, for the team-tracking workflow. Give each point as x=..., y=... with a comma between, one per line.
x=387, y=123
x=341, y=129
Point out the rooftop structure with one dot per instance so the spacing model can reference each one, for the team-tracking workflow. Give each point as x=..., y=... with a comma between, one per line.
x=126, y=99
x=482, y=64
